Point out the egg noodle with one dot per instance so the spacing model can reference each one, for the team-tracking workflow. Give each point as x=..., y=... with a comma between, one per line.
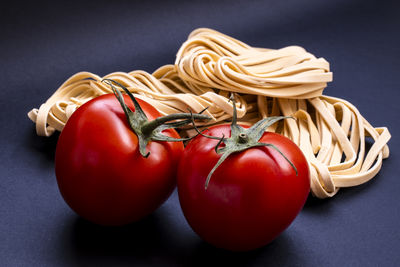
x=290, y=81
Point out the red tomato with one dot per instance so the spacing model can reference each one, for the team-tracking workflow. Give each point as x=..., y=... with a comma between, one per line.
x=100, y=172
x=252, y=196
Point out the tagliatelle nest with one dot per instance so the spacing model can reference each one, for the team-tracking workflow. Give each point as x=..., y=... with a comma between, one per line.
x=290, y=81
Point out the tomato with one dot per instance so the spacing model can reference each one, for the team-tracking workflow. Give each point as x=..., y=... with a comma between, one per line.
x=251, y=197
x=100, y=172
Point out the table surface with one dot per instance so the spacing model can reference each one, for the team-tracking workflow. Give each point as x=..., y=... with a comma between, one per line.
x=41, y=45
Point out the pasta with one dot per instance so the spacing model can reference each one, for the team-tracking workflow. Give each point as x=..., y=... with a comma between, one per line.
x=290, y=81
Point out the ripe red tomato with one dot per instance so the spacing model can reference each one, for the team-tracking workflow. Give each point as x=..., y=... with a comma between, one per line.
x=100, y=172
x=252, y=196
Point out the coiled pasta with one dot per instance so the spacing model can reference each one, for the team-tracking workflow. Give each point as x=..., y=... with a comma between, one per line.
x=290, y=81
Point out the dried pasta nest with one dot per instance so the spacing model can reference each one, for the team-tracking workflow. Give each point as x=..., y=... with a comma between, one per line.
x=290, y=81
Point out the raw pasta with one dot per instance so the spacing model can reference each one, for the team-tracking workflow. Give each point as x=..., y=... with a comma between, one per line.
x=290, y=81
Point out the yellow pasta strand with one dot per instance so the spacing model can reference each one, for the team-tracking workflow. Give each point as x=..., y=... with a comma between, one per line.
x=290, y=81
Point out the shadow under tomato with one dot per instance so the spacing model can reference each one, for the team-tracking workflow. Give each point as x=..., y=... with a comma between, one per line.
x=277, y=253
x=137, y=241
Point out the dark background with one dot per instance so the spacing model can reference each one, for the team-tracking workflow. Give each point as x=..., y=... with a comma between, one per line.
x=44, y=43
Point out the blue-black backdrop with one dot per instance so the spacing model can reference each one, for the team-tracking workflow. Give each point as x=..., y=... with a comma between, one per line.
x=43, y=43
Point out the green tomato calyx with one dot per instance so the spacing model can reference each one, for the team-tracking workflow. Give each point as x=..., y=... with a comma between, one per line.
x=146, y=130
x=242, y=139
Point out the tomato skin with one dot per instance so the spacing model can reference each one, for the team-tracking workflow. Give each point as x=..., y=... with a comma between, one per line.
x=100, y=172
x=252, y=196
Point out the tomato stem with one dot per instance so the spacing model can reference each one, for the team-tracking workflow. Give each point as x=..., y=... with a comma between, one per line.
x=242, y=139
x=146, y=130
x=150, y=126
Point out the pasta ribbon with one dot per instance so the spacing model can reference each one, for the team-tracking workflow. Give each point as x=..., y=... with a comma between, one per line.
x=290, y=81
